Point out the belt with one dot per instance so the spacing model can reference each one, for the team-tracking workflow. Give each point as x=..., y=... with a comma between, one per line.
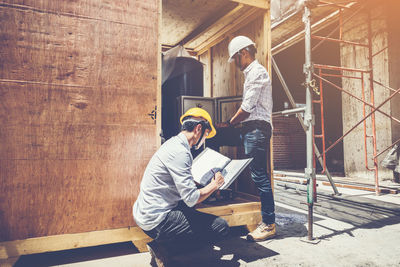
x=249, y=126
x=256, y=124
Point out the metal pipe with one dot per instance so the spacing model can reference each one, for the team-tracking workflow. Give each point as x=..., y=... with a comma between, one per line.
x=338, y=27
x=293, y=103
x=341, y=89
x=321, y=91
x=289, y=111
x=380, y=51
x=309, y=120
x=339, y=76
x=330, y=67
x=386, y=149
x=324, y=4
x=338, y=40
x=366, y=117
x=341, y=24
x=387, y=87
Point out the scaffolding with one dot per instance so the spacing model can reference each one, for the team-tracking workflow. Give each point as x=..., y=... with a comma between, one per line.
x=314, y=95
x=323, y=71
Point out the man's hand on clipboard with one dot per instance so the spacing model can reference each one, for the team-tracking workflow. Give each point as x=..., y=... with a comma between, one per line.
x=218, y=179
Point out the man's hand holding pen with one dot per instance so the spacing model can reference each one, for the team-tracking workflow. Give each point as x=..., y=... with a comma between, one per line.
x=218, y=179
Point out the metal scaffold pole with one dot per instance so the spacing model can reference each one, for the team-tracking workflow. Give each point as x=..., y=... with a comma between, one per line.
x=293, y=103
x=309, y=120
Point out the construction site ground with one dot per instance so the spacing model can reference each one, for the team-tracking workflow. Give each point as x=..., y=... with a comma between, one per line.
x=357, y=228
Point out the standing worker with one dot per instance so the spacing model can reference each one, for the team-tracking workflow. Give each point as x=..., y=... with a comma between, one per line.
x=255, y=116
x=164, y=208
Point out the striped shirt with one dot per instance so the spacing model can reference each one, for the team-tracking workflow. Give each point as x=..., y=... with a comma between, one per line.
x=166, y=181
x=257, y=93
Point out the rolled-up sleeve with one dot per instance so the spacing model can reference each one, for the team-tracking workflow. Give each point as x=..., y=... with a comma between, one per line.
x=180, y=169
x=253, y=91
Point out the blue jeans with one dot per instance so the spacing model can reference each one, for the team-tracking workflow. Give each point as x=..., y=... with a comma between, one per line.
x=256, y=145
x=186, y=229
x=255, y=136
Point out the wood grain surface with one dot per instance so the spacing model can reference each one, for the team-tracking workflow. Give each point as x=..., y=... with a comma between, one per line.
x=77, y=82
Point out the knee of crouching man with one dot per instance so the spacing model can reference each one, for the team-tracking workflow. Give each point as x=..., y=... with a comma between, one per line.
x=222, y=227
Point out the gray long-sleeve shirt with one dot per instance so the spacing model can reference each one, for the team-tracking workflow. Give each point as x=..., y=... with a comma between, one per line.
x=166, y=180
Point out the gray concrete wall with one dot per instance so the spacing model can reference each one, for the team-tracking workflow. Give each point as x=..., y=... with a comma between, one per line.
x=357, y=57
x=394, y=63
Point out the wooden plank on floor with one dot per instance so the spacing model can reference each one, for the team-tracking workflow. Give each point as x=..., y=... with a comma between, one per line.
x=16, y=248
x=235, y=214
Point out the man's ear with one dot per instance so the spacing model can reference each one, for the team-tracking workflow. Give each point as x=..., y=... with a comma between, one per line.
x=245, y=52
x=198, y=128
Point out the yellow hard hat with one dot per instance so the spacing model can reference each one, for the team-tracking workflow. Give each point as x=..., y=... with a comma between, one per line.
x=200, y=113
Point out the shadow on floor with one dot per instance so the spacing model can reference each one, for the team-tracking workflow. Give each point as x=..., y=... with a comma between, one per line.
x=230, y=252
x=76, y=255
x=358, y=211
x=233, y=251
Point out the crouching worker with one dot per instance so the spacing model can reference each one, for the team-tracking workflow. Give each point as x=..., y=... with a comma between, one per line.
x=164, y=208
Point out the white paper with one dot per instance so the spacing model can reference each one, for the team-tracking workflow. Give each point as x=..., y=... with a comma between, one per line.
x=232, y=170
x=206, y=161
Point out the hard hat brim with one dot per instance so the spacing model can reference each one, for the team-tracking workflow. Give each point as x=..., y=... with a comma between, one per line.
x=212, y=133
x=205, y=116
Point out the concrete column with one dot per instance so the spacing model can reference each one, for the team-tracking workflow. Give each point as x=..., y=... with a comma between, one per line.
x=357, y=57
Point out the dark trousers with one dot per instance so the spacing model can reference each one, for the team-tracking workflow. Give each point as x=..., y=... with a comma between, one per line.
x=185, y=229
x=255, y=136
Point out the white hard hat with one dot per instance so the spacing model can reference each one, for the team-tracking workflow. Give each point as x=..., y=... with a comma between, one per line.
x=237, y=44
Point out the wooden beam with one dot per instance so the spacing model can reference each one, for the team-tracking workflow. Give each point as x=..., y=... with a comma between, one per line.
x=159, y=76
x=319, y=25
x=247, y=213
x=264, y=4
x=243, y=20
x=266, y=50
x=16, y=248
x=227, y=19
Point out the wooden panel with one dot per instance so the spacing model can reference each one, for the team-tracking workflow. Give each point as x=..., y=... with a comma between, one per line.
x=77, y=81
x=182, y=17
x=241, y=211
x=227, y=79
x=118, y=11
x=265, y=4
x=216, y=27
x=62, y=50
x=206, y=59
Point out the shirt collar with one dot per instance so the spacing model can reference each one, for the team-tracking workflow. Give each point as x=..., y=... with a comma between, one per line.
x=249, y=67
x=184, y=140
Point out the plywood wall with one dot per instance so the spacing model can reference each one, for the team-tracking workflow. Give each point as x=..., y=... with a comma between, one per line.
x=77, y=80
x=357, y=57
x=227, y=79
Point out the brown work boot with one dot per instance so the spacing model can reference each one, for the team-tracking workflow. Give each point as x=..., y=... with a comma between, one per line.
x=158, y=255
x=262, y=232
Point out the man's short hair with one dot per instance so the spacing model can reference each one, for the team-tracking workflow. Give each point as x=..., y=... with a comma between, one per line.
x=252, y=50
x=190, y=122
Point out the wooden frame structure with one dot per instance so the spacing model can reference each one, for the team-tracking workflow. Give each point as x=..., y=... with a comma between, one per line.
x=208, y=42
x=245, y=211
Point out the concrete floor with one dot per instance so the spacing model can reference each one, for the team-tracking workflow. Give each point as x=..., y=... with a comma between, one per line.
x=355, y=229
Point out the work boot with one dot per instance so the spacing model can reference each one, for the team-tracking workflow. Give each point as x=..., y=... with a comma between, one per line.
x=262, y=232
x=158, y=254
